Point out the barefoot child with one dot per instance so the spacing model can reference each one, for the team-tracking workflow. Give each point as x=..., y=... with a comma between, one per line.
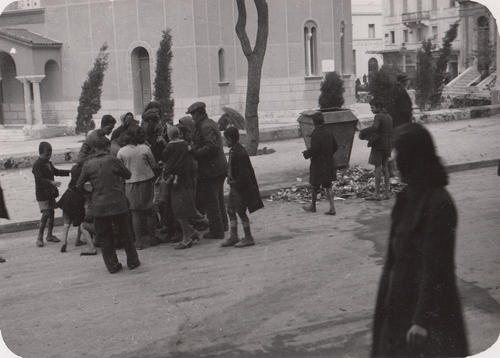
x=46, y=190
x=72, y=204
x=379, y=137
x=244, y=191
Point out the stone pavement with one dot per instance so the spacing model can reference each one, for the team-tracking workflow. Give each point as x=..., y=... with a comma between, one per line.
x=457, y=142
x=307, y=289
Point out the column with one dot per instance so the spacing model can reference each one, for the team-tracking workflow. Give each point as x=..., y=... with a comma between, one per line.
x=495, y=93
x=37, y=99
x=27, y=99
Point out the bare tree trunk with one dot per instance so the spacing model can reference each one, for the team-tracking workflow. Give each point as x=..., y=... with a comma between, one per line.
x=255, y=59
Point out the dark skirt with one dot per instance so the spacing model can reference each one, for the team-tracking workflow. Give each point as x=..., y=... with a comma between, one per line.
x=140, y=195
x=183, y=198
x=72, y=204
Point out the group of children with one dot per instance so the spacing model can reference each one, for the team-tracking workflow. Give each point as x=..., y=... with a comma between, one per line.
x=112, y=190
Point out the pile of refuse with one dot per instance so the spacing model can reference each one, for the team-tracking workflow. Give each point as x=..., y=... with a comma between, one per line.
x=351, y=183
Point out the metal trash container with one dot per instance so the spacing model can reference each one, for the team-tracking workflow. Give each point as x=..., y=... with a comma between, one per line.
x=341, y=122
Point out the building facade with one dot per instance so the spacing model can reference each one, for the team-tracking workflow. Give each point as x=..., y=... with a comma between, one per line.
x=367, y=36
x=409, y=22
x=48, y=46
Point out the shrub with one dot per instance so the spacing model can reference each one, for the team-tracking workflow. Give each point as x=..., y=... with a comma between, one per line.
x=332, y=91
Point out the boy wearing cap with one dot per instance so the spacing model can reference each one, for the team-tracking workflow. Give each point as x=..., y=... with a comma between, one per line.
x=322, y=170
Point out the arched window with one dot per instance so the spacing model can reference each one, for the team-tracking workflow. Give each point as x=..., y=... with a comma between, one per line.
x=141, y=78
x=310, y=48
x=222, y=69
x=372, y=65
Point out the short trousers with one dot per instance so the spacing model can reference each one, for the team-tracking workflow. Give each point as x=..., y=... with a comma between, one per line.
x=47, y=205
x=378, y=157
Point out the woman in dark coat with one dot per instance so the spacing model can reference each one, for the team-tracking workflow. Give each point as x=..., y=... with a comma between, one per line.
x=322, y=170
x=418, y=311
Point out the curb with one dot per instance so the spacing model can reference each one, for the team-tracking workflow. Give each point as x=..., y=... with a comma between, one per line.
x=265, y=193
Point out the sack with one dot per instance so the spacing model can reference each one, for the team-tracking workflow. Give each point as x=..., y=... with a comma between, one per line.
x=160, y=190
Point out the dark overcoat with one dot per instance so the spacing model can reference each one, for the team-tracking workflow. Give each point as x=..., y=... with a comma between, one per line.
x=242, y=178
x=418, y=281
x=208, y=150
x=400, y=106
x=323, y=146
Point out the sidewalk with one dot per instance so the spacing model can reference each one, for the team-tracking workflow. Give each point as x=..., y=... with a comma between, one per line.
x=459, y=143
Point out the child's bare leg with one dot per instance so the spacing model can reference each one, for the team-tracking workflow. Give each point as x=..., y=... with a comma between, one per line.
x=187, y=233
x=79, y=241
x=248, y=239
x=233, y=224
x=387, y=179
x=314, y=195
x=50, y=227
x=41, y=229
x=87, y=237
x=67, y=224
x=331, y=199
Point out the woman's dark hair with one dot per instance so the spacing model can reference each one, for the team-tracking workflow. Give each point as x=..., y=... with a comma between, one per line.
x=416, y=157
x=134, y=135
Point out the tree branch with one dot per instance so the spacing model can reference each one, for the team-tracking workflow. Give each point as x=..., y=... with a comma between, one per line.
x=263, y=27
x=241, y=28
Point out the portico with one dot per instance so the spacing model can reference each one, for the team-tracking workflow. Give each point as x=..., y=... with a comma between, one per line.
x=23, y=63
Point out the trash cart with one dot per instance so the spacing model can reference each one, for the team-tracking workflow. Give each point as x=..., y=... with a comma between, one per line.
x=341, y=122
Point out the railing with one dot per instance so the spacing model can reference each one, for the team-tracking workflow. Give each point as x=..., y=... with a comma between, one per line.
x=416, y=16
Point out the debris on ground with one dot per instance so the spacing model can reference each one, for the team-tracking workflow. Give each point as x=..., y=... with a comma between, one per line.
x=351, y=183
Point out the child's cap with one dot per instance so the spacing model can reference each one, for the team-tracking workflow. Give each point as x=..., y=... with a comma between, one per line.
x=44, y=147
x=232, y=133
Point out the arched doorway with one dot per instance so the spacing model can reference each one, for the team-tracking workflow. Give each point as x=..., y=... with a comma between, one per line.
x=372, y=65
x=51, y=91
x=141, y=78
x=11, y=93
x=483, y=45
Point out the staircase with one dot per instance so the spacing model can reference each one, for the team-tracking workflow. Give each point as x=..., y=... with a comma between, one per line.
x=461, y=85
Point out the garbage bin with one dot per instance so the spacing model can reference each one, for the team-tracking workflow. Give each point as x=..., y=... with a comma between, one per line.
x=341, y=122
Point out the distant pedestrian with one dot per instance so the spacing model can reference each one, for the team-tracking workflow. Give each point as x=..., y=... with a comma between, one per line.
x=139, y=160
x=108, y=204
x=179, y=166
x=72, y=203
x=87, y=149
x=46, y=191
x=322, y=171
x=400, y=105
x=418, y=311
x=244, y=192
x=212, y=168
x=379, y=136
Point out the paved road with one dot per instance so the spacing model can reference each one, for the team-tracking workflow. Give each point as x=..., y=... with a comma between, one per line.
x=306, y=289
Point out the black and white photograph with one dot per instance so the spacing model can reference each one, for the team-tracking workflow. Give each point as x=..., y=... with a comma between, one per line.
x=249, y=179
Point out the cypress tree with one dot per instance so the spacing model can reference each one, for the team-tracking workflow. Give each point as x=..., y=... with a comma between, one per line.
x=90, y=98
x=425, y=75
x=163, y=80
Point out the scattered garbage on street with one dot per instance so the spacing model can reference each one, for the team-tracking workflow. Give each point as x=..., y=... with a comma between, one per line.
x=351, y=183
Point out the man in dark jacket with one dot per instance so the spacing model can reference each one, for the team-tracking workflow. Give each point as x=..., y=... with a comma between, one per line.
x=108, y=123
x=322, y=170
x=401, y=107
x=212, y=168
x=108, y=204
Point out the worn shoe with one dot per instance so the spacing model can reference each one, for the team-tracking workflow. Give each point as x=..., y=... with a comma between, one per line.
x=39, y=243
x=245, y=242
x=63, y=248
x=329, y=212
x=117, y=268
x=231, y=241
x=212, y=236
x=52, y=238
x=182, y=245
x=134, y=265
x=309, y=208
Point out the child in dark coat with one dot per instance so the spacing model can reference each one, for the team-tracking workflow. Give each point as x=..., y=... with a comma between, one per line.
x=46, y=191
x=244, y=191
x=72, y=204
